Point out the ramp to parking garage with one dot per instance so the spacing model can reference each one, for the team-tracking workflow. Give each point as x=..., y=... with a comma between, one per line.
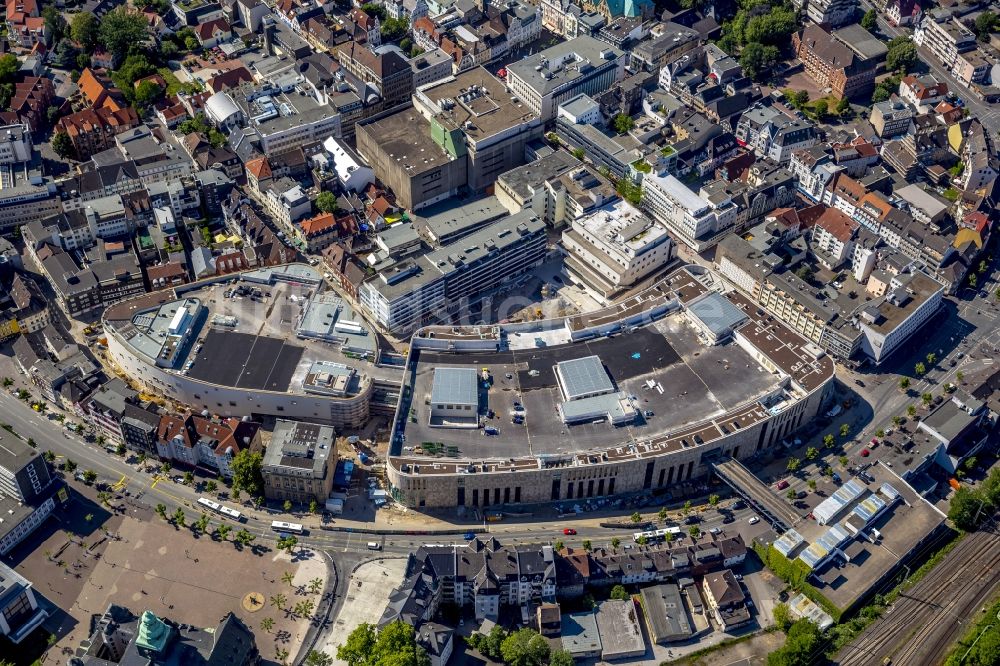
x=770, y=507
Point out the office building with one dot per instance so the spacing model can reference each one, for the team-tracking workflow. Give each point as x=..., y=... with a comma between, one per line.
x=581, y=65
x=831, y=63
x=299, y=462
x=889, y=322
x=27, y=491
x=693, y=219
x=438, y=284
x=615, y=247
x=19, y=611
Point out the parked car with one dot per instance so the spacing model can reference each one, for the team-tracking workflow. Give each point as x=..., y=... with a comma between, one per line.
x=754, y=520
x=469, y=536
x=569, y=531
x=782, y=484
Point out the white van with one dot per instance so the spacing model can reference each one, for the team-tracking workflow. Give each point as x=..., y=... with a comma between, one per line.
x=374, y=545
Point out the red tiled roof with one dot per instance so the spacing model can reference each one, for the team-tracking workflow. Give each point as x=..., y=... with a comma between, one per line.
x=837, y=224
x=259, y=168
x=207, y=30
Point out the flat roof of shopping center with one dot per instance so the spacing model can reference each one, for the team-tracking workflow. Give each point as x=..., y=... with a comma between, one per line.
x=686, y=393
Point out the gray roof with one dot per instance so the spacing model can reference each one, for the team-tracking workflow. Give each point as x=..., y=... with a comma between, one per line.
x=665, y=613
x=583, y=377
x=585, y=48
x=447, y=222
x=455, y=386
x=299, y=445
x=717, y=313
x=948, y=420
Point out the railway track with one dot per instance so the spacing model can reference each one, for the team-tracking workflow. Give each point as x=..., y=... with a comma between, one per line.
x=920, y=626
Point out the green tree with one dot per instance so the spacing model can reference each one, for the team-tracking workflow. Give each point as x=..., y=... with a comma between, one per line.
x=985, y=24
x=288, y=577
x=587, y=545
x=844, y=108
x=31, y=443
x=821, y=108
x=622, y=123
x=315, y=585
x=393, y=30
x=223, y=531
x=278, y=600
x=615, y=542
x=562, y=657
x=812, y=484
x=146, y=93
x=393, y=645
x=662, y=514
x=844, y=461
x=246, y=467
x=828, y=441
x=694, y=531
x=870, y=20
x=967, y=507
x=165, y=468
x=902, y=54
x=326, y=202
x=179, y=518
x=793, y=464
x=313, y=506
x=970, y=463
x=49, y=456
x=973, y=280
x=800, y=645
x=959, y=375
x=524, y=647
x=62, y=145
x=244, y=538
x=211, y=486
x=89, y=476
x=931, y=358
x=287, y=506
x=200, y=526
x=798, y=98
x=791, y=494
x=619, y=592
x=579, y=153
x=782, y=617
x=317, y=658
x=758, y=59
x=161, y=511
x=911, y=411
x=558, y=545
x=845, y=429
x=686, y=509
x=927, y=399
x=642, y=540
x=267, y=624
x=904, y=383
x=188, y=478
x=636, y=517
x=120, y=29
x=713, y=500
x=55, y=22
x=919, y=369
x=812, y=452
x=83, y=28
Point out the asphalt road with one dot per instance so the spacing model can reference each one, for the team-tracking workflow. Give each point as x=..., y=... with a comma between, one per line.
x=988, y=114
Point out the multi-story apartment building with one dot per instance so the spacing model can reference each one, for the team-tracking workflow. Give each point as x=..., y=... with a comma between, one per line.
x=971, y=67
x=106, y=409
x=93, y=130
x=437, y=285
x=581, y=65
x=910, y=303
x=832, y=63
x=773, y=132
x=694, y=220
x=944, y=36
x=615, y=247
x=20, y=613
x=891, y=118
x=831, y=238
x=198, y=440
x=832, y=13
x=299, y=463
x=923, y=93
x=979, y=157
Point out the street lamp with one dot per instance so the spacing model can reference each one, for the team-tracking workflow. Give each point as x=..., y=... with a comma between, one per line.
x=985, y=629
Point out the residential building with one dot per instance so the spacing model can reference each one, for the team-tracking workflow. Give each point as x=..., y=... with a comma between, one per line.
x=725, y=600
x=912, y=300
x=93, y=130
x=121, y=637
x=945, y=37
x=672, y=42
x=979, y=159
x=88, y=288
x=833, y=13
x=320, y=231
x=581, y=65
x=971, y=67
x=139, y=427
x=772, y=131
x=300, y=462
x=694, y=221
x=433, y=286
x=833, y=64
x=923, y=93
x=197, y=440
x=903, y=13
x=31, y=101
x=106, y=409
x=831, y=238
x=25, y=26
x=615, y=247
x=891, y=118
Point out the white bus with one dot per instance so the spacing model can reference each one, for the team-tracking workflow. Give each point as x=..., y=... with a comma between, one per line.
x=290, y=528
x=220, y=508
x=209, y=504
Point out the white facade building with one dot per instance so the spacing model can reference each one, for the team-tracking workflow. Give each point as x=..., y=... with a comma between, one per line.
x=696, y=222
